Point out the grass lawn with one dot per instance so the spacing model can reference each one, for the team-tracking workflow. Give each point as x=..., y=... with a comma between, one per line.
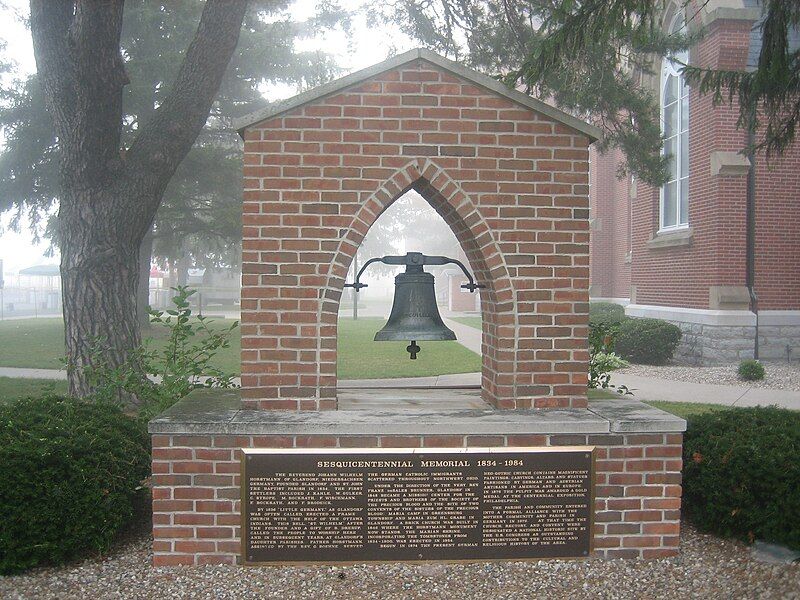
x=362, y=358
x=39, y=343
x=476, y=322
x=680, y=409
x=12, y=389
x=685, y=409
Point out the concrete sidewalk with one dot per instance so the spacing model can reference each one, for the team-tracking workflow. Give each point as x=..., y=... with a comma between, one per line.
x=469, y=337
x=22, y=373
x=651, y=388
x=643, y=388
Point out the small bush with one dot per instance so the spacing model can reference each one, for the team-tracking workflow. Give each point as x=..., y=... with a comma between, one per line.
x=602, y=359
x=751, y=370
x=71, y=472
x=606, y=312
x=647, y=341
x=183, y=365
x=742, y=475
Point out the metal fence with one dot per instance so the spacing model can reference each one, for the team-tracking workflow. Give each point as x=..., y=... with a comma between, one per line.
x=25, y=302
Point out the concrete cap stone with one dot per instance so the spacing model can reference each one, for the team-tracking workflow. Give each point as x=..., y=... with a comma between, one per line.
x=218, y=412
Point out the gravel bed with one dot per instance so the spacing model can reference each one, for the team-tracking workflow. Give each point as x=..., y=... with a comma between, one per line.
x=779, y=375
x=708, y=568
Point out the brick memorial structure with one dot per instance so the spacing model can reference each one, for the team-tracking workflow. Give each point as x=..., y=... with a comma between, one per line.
x=509, y=174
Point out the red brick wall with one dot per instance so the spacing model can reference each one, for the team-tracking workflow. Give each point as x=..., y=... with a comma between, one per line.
x=609, y=198
x=511, y=183
x=196, y=488
x=682, y=276
x=777, y=280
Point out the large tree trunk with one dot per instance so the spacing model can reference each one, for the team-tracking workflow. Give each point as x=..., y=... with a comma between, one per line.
x=100, y=273
x=109, y=195
x=182, y=270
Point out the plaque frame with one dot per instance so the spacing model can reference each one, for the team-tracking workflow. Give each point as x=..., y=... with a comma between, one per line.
x=245, y=452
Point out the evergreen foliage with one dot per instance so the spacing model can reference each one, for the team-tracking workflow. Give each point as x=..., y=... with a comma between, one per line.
x=72, y=472
x=529, y=44
x=741, y=476
x=200, y=216
x=606, y=312
x=751, y=370
x=647, y=341
x=769, y=96
x=590, y=57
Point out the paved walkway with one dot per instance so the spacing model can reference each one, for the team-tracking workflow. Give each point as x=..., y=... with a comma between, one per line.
x=643, y=388
x=469, y=337
x=33, y=373
x=651, y=388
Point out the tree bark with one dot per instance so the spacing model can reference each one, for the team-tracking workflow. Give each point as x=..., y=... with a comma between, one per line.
x=109, y=196
x=182, y=270
x=99, y=274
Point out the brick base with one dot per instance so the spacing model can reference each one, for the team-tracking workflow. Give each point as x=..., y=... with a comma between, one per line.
x=196, y=488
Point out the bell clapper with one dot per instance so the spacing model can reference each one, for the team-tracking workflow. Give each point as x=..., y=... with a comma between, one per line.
x=413, y=349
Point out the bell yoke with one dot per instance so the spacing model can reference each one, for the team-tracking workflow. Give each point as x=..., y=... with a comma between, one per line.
x=415, y=315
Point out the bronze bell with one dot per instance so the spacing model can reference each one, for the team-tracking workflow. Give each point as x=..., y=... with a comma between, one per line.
x=415, y=315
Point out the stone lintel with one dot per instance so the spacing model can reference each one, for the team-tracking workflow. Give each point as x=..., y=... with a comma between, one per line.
x=215, y=412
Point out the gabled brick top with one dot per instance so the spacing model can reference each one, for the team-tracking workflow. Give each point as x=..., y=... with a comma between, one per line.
x=507, y=173
x=278, y=108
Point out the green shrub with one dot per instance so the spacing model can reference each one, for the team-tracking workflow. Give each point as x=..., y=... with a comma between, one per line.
x=751, y=370
x=182, y=366
x=647, y=341
x=602, y=359
x=71, y=473
x=742, y=474
x=606, y=312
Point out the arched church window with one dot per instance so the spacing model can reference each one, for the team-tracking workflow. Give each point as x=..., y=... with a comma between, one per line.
x=675, y=125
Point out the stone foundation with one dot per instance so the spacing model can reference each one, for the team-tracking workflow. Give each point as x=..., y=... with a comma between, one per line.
x=724, y=337
x=196, y=450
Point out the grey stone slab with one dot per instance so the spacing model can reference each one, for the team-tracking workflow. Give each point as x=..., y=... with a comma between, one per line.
x=421, y=422
x=203, y=407
x=411, y=382
x=215, y=411
x=626, y=415
x=773, y=553
x=410, y=399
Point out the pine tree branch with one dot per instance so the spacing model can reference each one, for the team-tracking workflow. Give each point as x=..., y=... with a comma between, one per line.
x=166, y=138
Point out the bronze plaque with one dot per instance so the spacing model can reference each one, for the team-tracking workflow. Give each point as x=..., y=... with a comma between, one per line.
x=358, y=505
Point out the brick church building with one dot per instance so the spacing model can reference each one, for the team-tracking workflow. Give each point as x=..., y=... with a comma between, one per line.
x=682, y=252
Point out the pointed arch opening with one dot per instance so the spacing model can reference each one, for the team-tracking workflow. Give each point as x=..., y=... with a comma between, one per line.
x=483, y=258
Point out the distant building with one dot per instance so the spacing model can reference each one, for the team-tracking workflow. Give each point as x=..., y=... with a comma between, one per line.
x=680, y=252
x=33, y=291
